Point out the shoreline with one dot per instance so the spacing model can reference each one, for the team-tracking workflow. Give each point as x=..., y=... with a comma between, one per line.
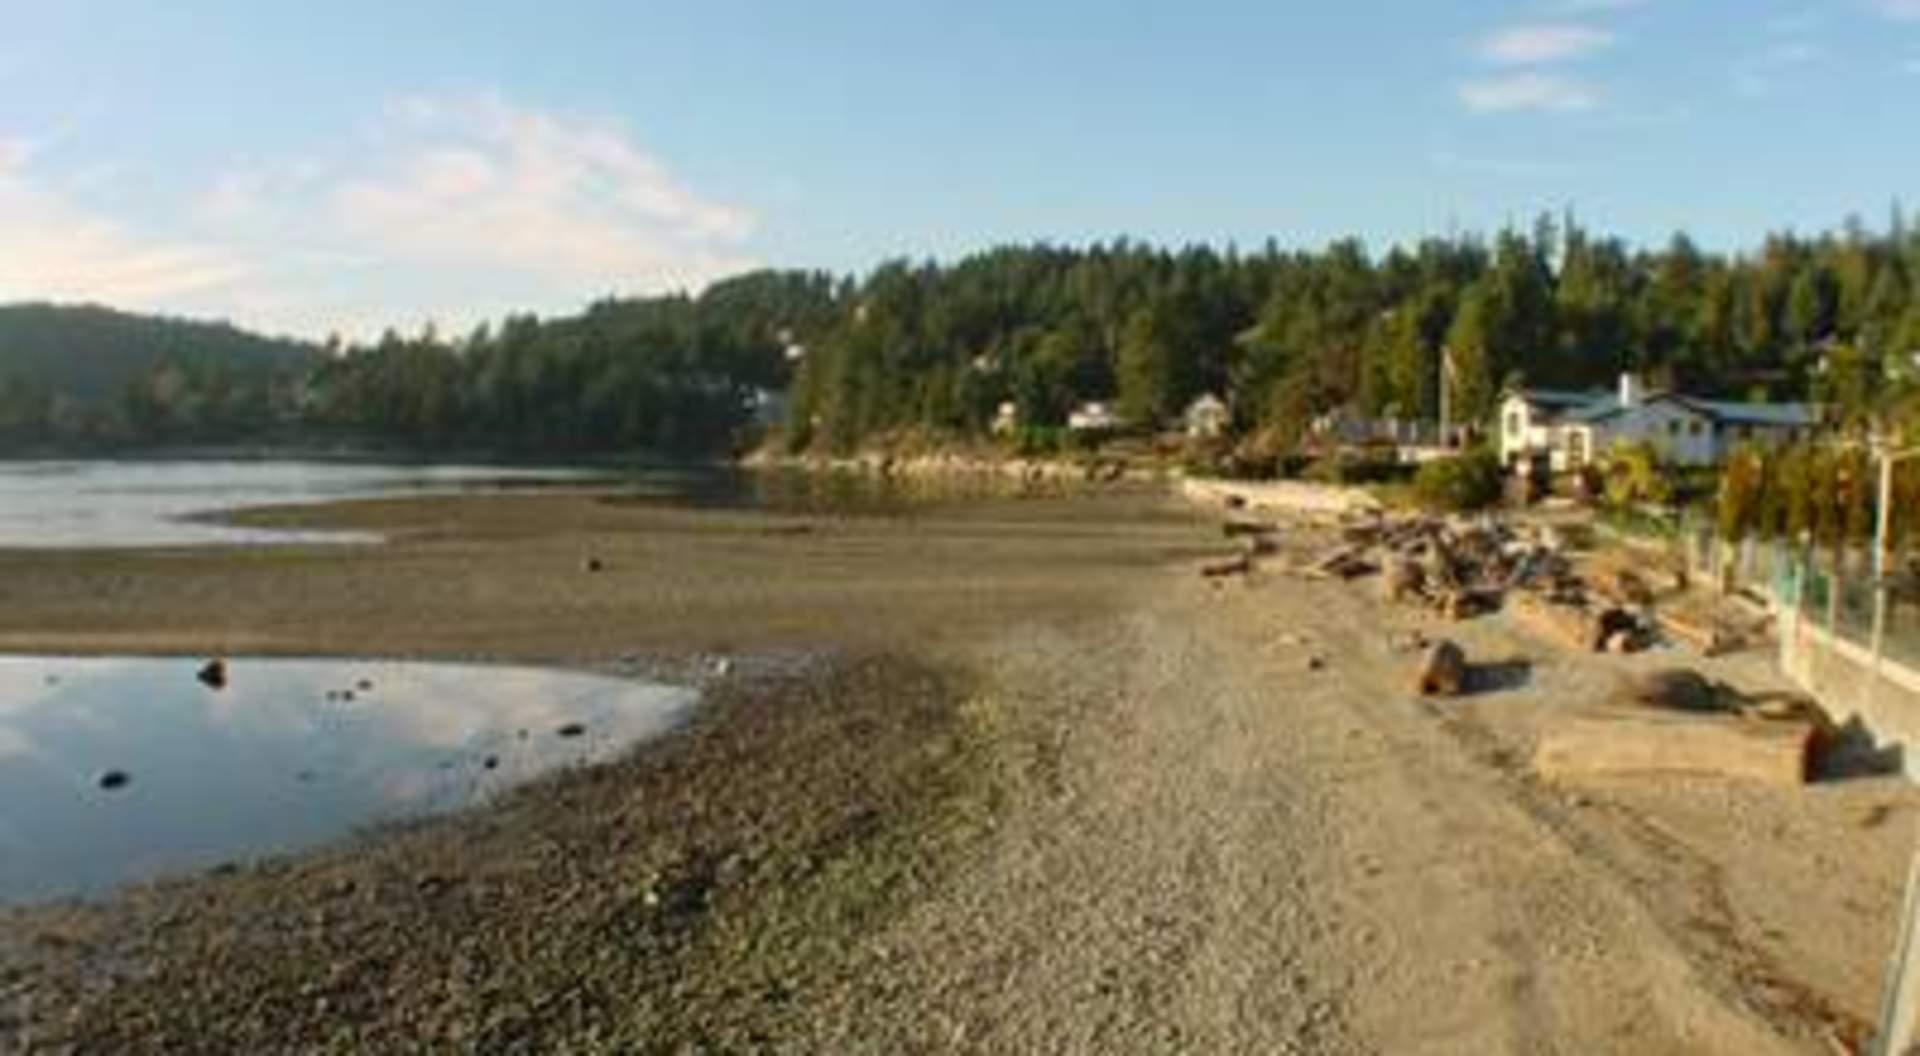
x=715, y=833
x=273, y=953
x=1028, y=780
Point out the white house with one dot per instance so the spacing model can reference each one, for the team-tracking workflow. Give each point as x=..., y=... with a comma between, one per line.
x=1006, y=418
x=1572, y=429
x=769, y=408
x=1092, y=415
x=1208, y=417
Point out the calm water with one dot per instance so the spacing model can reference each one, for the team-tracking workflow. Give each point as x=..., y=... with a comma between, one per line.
x=111, y=503
x=291, y=753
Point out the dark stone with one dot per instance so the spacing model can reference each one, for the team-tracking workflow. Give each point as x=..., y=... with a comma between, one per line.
x=213, y=674
x=490, y=762
x=365, y=685
x=113, y=779
x=572, y=729
x=592, y=564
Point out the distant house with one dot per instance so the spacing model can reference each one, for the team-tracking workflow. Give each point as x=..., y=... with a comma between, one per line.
x=1347, y=424
x=1006, y=418
x=769, y=408
x=1573, y=429
x=1208, y=417
x=1091, y=416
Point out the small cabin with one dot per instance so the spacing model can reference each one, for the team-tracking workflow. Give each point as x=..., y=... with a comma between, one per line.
x=1208, y=417
x=1092, y=416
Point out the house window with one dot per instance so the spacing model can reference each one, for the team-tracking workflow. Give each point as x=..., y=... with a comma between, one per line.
x=1694, y=428
x=1673, y=428
x=1746, y=432
x=1513, y=424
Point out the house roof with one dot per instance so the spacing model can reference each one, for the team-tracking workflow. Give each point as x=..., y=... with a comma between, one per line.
x=1779, y=415
x=1597, y=409
x=1559, y=399
x=1786, y=415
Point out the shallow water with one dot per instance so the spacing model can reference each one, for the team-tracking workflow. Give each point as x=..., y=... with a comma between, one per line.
x=99, y=503
x=289, y=754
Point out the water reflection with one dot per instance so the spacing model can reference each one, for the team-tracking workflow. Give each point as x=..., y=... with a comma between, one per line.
x=288, y=754
x=113, y=503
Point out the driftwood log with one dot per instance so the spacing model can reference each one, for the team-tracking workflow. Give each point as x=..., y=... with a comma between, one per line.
x=1443, y=671
x=1631, y=587
x=1569, y=626
x=1346, y=562
x=1404, y=579
x=1585, y=629
x=1235, y=528
x=1237, y=565
x=1651, y=741
x=1704, y=638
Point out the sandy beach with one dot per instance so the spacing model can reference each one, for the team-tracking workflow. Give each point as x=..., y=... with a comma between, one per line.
x=1001, y=776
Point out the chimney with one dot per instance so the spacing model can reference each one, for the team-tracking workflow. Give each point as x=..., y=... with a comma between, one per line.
x=1629, y=389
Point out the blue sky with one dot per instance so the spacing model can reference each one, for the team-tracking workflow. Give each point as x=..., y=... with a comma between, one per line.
x=359, y=165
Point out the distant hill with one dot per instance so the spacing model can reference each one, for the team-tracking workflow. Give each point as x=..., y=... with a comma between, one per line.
x=90, y=354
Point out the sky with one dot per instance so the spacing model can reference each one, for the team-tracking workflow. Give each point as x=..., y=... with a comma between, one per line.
x=308, y=169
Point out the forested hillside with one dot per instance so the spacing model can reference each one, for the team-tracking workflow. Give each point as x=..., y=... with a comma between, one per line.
x=928, y=352
x=85, y=371
x=1286, y=335
x=676, y=374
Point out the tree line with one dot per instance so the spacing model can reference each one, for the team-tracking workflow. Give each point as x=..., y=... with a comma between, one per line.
x=931, y=351
x=1288, y=335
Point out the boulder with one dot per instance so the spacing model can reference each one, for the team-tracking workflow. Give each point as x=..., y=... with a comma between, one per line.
x=213, y=674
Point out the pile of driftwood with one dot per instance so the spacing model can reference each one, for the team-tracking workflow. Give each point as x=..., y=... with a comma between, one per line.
x=1456, y=566
x=1255, y=539
x=1461, y=567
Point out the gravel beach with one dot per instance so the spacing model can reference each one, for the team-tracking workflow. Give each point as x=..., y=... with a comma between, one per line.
x=1002, y=776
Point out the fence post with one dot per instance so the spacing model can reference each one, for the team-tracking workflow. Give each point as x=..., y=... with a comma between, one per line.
x=1901, y=995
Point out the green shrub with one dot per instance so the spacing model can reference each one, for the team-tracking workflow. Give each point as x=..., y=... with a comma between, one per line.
x=1352, y=468
x=1465, y=482
x=1035, y=441
x=1636, y=475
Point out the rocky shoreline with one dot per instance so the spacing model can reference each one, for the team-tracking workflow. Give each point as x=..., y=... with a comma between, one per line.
x=627, y=903
x=980, y=467
x=681, y=897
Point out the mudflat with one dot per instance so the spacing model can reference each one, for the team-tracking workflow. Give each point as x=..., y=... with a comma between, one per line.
x=1000, y=776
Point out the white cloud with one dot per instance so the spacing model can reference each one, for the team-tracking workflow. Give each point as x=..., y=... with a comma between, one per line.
x=53, y=249
x=1527, y=91
x=448, y=210
x=1538, y=44
x=481, y=180
x=1901, y=9
x=14, y=152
